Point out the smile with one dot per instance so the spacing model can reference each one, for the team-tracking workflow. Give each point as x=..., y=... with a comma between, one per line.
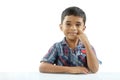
x=72, y=33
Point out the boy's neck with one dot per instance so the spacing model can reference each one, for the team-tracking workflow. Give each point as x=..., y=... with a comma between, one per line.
x=72, y=43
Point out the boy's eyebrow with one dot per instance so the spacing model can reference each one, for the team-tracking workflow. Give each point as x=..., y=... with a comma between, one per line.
x=68, y=21
x=76, y=22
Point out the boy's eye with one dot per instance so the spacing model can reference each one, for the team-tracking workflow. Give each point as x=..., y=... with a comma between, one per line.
x=68, y=24
x=78, y=25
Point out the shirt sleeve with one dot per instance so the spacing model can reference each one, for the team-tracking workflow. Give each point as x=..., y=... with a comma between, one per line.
x=51, y=55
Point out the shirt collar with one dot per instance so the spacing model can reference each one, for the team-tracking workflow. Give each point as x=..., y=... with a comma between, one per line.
x=64, y=41
x=80, y=44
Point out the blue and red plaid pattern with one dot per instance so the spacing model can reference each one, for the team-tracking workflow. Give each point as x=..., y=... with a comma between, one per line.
x=61, y=54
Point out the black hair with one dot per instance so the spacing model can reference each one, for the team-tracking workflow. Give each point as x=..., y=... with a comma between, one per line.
x=76, y=11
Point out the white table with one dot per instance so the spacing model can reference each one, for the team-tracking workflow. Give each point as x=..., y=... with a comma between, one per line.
x=46, y=76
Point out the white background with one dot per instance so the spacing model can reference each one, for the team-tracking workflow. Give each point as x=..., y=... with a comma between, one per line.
x=29, y=27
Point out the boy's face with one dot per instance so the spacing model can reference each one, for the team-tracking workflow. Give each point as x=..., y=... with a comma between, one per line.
x=71, y=27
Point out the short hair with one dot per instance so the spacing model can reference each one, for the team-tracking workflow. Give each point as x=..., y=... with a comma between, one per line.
x=76, y=11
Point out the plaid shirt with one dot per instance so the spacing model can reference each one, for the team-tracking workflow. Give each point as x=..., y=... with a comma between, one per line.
x=61, y=54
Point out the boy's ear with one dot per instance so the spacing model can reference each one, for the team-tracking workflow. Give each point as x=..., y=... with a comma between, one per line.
x=84, y=28
x=60, y=25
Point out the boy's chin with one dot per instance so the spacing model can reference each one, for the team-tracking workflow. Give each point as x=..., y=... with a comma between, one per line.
x=72, y=38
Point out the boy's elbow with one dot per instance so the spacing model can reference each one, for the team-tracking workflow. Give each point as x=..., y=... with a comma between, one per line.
x=41, y=68
x=95, y=70
x=44, y=67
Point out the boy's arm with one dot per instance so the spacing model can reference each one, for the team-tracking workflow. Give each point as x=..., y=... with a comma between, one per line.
x=50, y=68
x=92, y=60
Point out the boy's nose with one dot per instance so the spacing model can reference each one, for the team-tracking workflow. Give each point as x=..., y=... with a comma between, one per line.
x=73, y=27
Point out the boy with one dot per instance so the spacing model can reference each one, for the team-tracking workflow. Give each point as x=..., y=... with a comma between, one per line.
x=73, y=54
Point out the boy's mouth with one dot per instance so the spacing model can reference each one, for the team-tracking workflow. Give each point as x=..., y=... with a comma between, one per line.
x=73, y=33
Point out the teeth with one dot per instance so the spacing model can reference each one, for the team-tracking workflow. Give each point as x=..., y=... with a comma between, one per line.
x=73, y=33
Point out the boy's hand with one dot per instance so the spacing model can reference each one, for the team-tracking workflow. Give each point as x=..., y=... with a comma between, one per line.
x=82, y=36
x=77, y=70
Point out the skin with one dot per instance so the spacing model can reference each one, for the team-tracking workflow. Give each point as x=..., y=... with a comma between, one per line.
x=73, y=28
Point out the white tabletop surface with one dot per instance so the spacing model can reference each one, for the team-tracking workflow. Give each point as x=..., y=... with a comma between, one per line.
x=48, y=76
